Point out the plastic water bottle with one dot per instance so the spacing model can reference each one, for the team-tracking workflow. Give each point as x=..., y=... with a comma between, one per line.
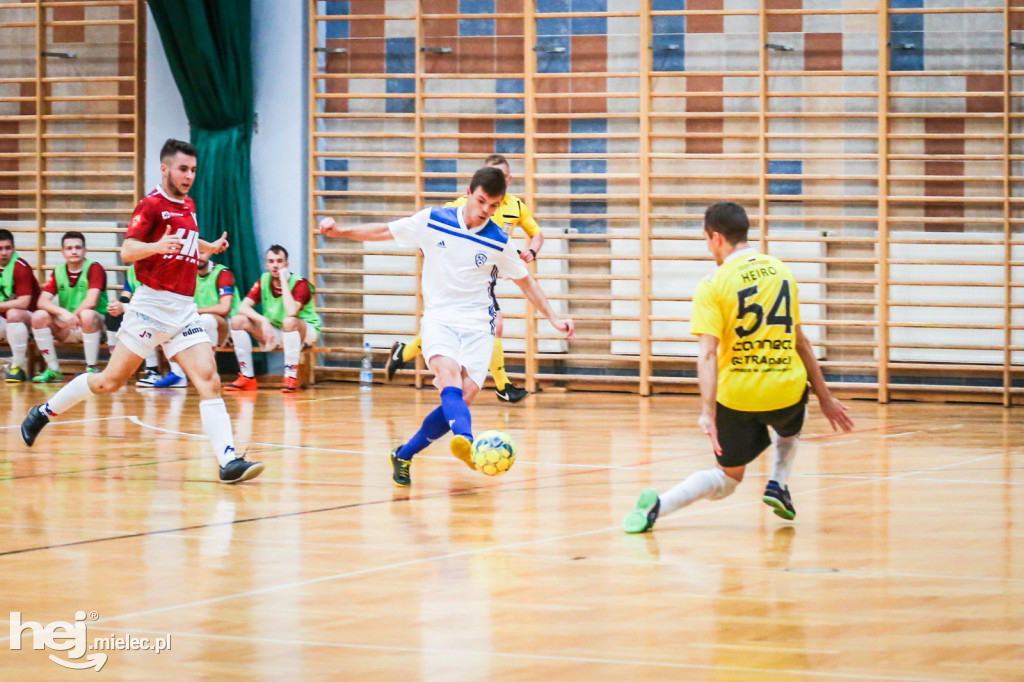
x=366, y=369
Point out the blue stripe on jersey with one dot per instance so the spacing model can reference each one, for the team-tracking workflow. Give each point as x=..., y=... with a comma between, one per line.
x=447, y=220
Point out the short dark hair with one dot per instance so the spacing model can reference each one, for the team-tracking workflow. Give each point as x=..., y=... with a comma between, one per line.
x=277, y=248
x=172, y=147
x=6, y=235
x=495, y=160
x=490, y=180
x=73, y=234
x=728, y=219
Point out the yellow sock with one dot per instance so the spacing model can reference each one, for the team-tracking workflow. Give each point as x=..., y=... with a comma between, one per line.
x=412, y=349
x=498, y=365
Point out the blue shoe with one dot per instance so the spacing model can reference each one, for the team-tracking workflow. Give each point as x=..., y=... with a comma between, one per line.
x=172, y=380
x=777, y=497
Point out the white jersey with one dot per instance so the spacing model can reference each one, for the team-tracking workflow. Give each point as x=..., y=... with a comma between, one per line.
x=459, y=265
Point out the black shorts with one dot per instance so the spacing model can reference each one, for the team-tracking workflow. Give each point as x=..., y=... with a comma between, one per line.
x=744, y=435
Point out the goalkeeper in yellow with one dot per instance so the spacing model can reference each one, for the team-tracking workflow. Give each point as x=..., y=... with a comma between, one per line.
x=753, y=367
x=511, y=214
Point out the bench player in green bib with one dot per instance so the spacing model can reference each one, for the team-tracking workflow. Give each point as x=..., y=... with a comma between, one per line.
x=19, y=292
x=289, y=321
x=72, y=306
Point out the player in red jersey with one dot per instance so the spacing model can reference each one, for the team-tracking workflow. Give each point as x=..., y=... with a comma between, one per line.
x=71, y=308
x=163, y=242
x=19, y=292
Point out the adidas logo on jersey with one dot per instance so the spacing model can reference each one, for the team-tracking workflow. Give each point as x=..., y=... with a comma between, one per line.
x=440, y=245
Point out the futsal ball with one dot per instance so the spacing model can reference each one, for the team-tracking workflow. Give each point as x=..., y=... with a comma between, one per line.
x=494, y=453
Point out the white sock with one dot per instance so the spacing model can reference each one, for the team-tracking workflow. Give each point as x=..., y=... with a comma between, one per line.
x=152, y=361
x=70, y=395
x=44, y=342
x=785, y=453
x=176, y=369
x=243, y=351
x=217, y=426
x=712, y=484
x=292, y=348
x=209, y=323
x=91, y=342
x=17, y=335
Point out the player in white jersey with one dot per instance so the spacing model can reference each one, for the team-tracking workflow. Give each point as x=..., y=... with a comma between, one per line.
x=463, y=252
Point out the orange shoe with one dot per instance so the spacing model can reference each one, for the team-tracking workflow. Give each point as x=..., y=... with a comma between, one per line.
x=242, y=383
x=291, y=385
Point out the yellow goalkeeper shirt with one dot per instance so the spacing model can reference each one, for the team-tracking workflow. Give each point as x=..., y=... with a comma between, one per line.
x=750, y=303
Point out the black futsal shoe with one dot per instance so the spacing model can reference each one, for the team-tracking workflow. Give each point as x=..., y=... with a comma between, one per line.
x=395, y=361
x=240, y=469
x=33, y=424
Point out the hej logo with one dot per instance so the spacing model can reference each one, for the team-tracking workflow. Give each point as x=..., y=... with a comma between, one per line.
x=59, y=636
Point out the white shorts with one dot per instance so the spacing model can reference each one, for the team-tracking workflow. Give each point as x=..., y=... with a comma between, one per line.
x=160, y=318
x=278, y=342
x=471, y=348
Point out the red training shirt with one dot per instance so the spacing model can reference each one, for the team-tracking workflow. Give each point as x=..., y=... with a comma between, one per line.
x=167, y=272
x=300, y=292
x=97, y=279
x=25, y=284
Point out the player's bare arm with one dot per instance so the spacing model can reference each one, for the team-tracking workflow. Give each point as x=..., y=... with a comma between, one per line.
x=135, y=249
x=19, y=303
x=707, y=379
x=223, y=308
x=92, y=298
x=531, y=252
x=291, y=307
x=834, y=411
x=65, y=318
x=246, y=309
x=219, y=246
x=370, y=232
x=534, y=295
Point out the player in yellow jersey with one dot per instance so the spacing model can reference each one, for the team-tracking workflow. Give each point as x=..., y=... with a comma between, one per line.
x=511, y=214
x=753, y=367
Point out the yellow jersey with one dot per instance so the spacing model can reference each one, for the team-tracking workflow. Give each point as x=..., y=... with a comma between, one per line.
x=750, y=303
x=512, y=213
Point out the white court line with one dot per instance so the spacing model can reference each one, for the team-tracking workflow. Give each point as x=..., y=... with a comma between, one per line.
x=566, y=465
x=495, y=548
x=73, y=421
x=535, y=657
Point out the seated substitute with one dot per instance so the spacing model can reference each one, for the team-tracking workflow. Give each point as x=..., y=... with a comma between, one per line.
x=289, y=321
x=71, y=306
x=19, y=293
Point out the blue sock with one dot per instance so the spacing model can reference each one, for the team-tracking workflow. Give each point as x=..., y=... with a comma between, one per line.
x=456, y=411
x=434, y=426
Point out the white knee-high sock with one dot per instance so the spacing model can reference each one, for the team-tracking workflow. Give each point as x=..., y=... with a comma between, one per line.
x=75, y=392
x=785, y=453
x=712, y=484
x=44, y=342
x=243, y=351
x=209, y=323
x=217, y=426
x=91, y=342
x=176, y=368
x=17, y=335
x=292, y=348
x=152, y=361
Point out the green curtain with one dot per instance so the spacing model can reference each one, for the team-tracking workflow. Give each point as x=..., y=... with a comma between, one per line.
x=207, y=43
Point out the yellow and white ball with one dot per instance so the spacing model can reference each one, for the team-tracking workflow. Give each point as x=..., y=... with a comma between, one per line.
x=494, y=453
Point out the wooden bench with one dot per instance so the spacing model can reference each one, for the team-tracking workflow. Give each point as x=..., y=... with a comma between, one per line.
x=36, y=364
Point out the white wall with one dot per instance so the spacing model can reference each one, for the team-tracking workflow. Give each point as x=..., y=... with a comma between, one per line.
x=279, y=145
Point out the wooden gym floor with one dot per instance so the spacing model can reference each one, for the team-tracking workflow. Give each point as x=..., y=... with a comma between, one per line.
x=905, y=562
